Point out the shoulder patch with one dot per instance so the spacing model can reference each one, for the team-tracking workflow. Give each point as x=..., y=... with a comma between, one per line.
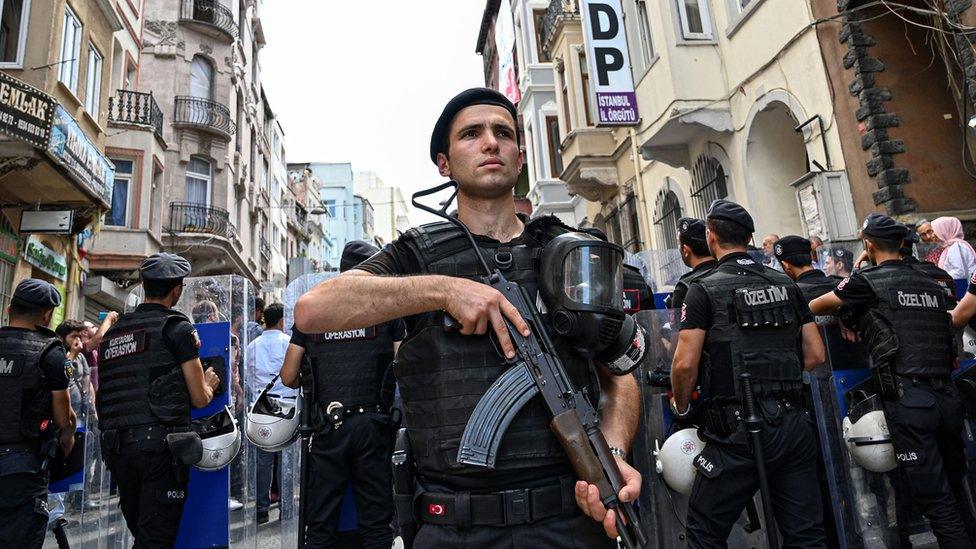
x=196, y=339
x=843, y=283
x=69, y=369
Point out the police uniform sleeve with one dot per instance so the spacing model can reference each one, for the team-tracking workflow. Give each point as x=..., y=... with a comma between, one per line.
x=298, y=337
x=54, y=366
x=696, y=311
x=854, y=291
x=396, y=258
x=182, y=339
x=802, y=307
x=398, y=330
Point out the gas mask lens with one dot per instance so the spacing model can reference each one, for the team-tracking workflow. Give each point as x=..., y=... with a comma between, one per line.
x=592, y=275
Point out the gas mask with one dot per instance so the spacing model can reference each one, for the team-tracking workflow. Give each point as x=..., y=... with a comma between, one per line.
x=581, y=282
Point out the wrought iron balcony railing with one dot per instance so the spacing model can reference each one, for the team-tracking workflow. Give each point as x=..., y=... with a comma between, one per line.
x=211, y=13
x=557, y=11
x=137, y=108
x=189, y=217
x=205, y=114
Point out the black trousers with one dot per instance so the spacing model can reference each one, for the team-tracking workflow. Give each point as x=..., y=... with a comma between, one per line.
x=152, y=491
x=576, y=532
x=729, y=480
x=356, y=453
x=23, y=501
x=926, y=430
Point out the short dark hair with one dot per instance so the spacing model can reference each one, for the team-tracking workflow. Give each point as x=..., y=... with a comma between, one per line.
x=69, y=326
x=729, y=233
x=21, y=309
x=698, y=247
x=884, y=245
x=273, y=314
x=258, y=304
x=799, y=260
x=158, y=289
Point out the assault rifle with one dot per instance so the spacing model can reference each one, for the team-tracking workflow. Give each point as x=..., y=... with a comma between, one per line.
x=537, y=370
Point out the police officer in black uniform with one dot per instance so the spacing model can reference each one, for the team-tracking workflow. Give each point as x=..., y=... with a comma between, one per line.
x=34, y=374
x=354, y=442
x=901, y=314
x=694, y=254
x=931, y=270
x=750, y=319
x=150, y=375
x=528, y=499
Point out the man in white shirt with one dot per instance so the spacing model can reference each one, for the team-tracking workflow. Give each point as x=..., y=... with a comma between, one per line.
x=265, y=355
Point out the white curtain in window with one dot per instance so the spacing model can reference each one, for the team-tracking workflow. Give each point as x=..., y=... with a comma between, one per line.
x=201, y=78
x=198, y=181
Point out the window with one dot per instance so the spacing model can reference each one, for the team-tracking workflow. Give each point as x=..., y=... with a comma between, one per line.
x=70, y=50
x=275, y=238
x=695, y=23
x=330, y=207
x=555, y=158
x=198, y=181
x=738, y=6
x=630, y=222
x=201, y=78
x=118, y=215
x=93, y=87
x=644, y=30
x=129, y=78
x=613, y=226
x=539, y=17
x=585, y=88
x=13, y=31
x=708, y=183
x=668, y=211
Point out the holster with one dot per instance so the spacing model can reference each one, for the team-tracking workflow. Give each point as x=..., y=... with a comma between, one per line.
x=404, y=488
x=883, y=342
x=185, y=447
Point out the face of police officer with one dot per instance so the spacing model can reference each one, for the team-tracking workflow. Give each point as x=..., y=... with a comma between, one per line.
x=484, y=156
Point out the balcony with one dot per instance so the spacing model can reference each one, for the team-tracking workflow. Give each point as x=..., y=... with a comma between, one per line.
x=210, y=16
x=557, y=12
x=132, y=108
x=188, y=217
x=196, y=112
x=590, y=169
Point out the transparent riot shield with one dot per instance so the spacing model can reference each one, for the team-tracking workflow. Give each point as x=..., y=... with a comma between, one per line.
x=663, y=507
x=291, y=457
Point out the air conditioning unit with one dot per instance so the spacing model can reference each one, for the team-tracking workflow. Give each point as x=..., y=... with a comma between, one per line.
x=826, y=205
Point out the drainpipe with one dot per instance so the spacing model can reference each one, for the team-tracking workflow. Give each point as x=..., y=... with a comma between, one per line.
x=642, y=215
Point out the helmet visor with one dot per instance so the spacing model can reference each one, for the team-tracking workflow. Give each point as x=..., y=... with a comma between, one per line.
x=593, y=276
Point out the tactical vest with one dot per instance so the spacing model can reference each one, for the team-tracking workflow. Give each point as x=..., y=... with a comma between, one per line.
x=349, y=366
x=22, y=380
x=842, y=354
x=442, y=376
x=940, y=276
x=913, y=306
x=140, y=381
x=755, y=328
x=677, y=297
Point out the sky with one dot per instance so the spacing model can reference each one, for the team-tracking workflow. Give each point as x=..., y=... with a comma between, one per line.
x=364, y=82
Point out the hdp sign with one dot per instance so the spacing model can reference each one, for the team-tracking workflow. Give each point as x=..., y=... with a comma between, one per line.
x=609, y=60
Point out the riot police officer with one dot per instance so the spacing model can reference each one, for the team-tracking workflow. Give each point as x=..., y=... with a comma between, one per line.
x=901, y=314
x=353, y=444
x=527, y=500
x=749, y=319
x=694, y=254
x=150, y=375
x=34, y=376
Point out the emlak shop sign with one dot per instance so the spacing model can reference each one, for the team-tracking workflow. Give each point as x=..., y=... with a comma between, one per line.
x=609, y=60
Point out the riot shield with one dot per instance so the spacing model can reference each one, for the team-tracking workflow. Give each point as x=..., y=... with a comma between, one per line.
x=661, y=270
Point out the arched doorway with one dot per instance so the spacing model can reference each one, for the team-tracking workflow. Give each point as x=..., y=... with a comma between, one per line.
x=776, y=156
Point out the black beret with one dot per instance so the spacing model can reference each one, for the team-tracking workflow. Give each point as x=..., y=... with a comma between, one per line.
x=843, y=254
x=691, y=228
x=354, y=253
x=912, y=238
x=790, y=246
x=37, y=293
x=467, y=98
x=730, y=211
x=882, y=226
x=164, y=266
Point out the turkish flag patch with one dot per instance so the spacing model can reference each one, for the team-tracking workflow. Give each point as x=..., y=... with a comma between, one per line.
x=436, y=509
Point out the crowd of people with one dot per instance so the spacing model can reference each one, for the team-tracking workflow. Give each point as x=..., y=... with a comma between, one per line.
x=749, y=322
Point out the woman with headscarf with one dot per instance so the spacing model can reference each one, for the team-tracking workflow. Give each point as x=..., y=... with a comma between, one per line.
x=958, y=257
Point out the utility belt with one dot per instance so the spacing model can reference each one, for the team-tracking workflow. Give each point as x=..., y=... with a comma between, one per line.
x=892, y=385
x=336, y=412
x=722, y=417
x=505, y=508
x=145, y=433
